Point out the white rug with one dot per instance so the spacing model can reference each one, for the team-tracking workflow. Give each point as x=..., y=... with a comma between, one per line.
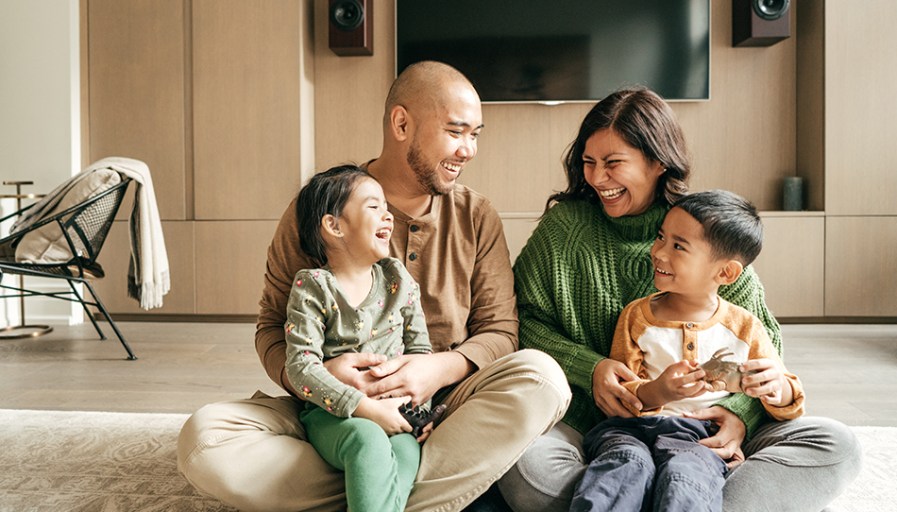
x=875, y=489
x=93, y=461
x=109, y=462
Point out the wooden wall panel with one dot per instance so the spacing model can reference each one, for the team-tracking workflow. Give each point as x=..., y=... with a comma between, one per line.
x=518, y=228
x=113, y=289
x=230, y=265
x=860, y=73
x=811, y=101
x=791, y=265
x=246, y=102
x=350, y=92
x=136, y=93
x=860, y=265
x=744, y=138
x=519, y=168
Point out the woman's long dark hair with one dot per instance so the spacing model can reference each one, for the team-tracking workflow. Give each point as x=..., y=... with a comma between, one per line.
x=645, y=121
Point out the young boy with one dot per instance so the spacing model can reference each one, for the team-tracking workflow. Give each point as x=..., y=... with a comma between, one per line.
x=654, y=460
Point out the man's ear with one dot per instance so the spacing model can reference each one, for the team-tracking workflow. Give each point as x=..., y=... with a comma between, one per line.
x=330, y=225
x=399, y=122
x=729, y=272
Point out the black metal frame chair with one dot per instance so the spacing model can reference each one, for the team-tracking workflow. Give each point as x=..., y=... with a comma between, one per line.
x=84, y=227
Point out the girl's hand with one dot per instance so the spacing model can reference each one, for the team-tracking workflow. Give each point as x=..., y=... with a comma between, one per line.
x=765, y=379
x=609, y=393
x=385, y=413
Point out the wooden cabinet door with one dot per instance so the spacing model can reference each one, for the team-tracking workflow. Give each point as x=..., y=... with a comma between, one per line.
x=136, y=83
x=247, y=59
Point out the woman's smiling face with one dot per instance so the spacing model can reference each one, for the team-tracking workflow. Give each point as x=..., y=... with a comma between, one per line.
x=622, y=176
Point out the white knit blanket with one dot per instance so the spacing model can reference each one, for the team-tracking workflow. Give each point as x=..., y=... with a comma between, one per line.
x=148, y=273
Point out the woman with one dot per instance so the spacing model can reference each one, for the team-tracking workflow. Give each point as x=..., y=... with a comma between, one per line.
x=586, y=260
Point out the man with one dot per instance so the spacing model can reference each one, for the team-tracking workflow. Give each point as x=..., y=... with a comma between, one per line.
x=252, y=453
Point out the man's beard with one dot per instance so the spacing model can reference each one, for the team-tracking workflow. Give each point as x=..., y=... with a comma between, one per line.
x=427, y=177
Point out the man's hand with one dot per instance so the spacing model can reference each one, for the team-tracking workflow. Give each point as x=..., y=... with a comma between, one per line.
x=609, y=393
x=354, y=369
x=419, y=376
x=727, y=441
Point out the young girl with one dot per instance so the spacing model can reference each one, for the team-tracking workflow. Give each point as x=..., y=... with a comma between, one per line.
x=358, y=301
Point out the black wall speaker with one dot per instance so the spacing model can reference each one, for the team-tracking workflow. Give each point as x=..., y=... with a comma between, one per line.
x=760, y=22
x=352, y=27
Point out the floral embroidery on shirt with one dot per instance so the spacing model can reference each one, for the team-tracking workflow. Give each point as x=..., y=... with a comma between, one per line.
x=394, y=287
x=306, y=391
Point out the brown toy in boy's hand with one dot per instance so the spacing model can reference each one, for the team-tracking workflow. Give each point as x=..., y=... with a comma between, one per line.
x=722, y=375
x=419, y=417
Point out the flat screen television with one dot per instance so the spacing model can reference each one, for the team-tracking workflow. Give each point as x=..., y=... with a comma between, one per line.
x=562, y=50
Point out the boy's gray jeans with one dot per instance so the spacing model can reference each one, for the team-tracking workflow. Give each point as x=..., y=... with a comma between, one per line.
x=799, y=465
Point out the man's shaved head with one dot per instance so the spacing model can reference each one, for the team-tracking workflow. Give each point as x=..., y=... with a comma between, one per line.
x=423, y=85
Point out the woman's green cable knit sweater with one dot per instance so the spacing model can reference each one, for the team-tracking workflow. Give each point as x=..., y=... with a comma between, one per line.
x=574, y=276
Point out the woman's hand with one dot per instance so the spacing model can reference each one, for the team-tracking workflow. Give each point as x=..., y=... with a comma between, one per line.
x=385, y=413
x=727, y=441
x=765, y=379
x=609, y=393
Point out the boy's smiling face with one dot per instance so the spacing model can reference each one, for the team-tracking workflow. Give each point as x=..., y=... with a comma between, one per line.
x=683, y=259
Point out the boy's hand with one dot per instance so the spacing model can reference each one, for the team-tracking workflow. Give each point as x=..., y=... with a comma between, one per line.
x=683, y=379
x=385, y=413
x=765, y=379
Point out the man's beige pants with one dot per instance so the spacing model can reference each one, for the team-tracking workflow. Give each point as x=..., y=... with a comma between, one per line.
x=252, y=454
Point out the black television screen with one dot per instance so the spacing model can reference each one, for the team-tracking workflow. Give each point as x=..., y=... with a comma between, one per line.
x=562, y=50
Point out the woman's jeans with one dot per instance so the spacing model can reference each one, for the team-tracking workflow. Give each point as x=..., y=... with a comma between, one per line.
x=799, y=465
x=650, y=463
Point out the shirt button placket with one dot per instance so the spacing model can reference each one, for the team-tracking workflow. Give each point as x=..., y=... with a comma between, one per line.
x=688, y=335
x=414, y=241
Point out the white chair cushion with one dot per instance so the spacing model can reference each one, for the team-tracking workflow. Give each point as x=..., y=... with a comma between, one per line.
x=47, y=244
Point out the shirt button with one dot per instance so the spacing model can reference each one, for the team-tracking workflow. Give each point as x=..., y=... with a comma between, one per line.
x=691, y=346
x=412, y=256
x=415, y=228
x=690, y=325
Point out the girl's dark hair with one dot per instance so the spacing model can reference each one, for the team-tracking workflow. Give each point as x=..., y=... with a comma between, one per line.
x=645, y=121
x=731, y=224
x=325, y=193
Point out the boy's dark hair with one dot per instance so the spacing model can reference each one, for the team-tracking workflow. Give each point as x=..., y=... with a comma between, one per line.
x=325, y=193
x=731, y=224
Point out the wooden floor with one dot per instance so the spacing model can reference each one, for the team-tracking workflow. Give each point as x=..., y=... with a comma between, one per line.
x=849, y=371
